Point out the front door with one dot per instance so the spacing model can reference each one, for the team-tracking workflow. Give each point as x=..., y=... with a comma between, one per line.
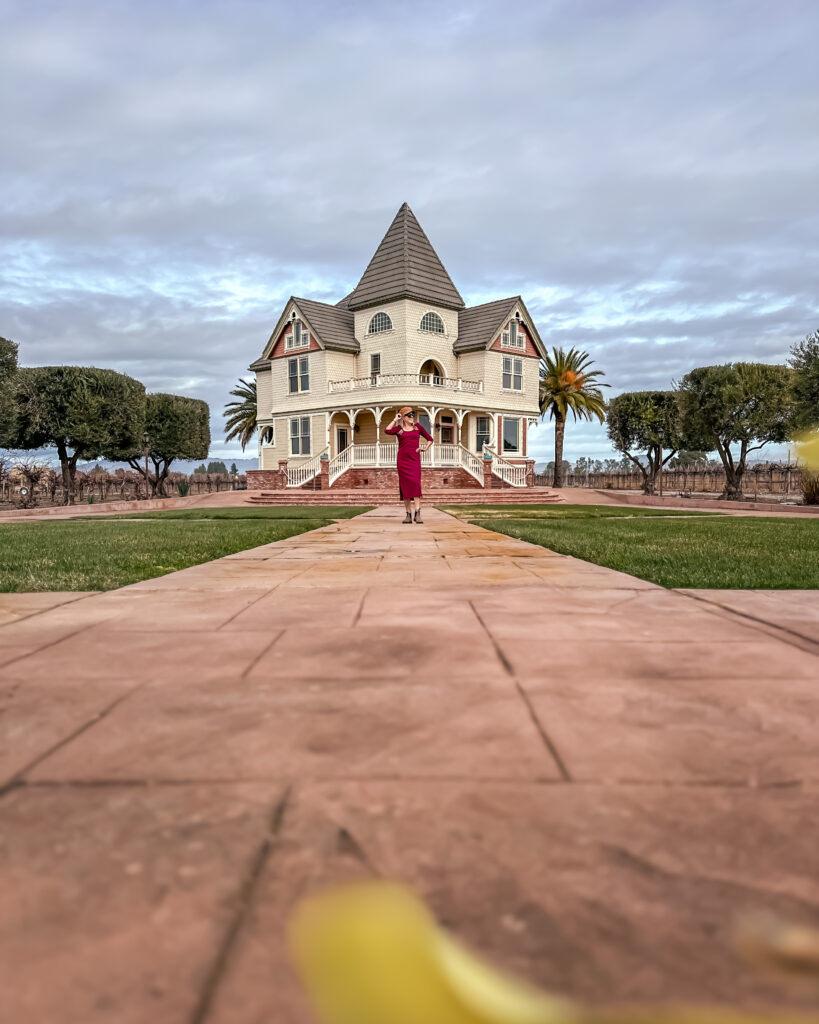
x=342, y=439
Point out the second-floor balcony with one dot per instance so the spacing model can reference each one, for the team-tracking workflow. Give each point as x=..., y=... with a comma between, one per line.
x=402, y=380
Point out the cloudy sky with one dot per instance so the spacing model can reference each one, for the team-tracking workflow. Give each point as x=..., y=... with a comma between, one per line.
x=645, y=173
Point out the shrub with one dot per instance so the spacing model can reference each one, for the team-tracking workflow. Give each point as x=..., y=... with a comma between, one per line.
x=183, y=487
x=810, y=487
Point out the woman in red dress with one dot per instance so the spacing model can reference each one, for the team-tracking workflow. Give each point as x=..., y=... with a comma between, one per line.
x=409, y=459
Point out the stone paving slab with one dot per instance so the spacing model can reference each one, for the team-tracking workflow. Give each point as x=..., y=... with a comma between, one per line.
x=588, y=776
x=796, y=611
x=624, y=895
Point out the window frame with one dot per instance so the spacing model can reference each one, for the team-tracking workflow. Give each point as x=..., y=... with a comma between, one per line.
x=380, y=330
x=479, y=433
x=515, y=371
x=375, y=373
x=512, y=337
x=510, y=451
x=297, y=338
x=300, y=435
x=302, y=371
x=431, y=330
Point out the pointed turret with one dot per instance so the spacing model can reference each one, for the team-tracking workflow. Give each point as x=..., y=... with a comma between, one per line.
x=405, y=266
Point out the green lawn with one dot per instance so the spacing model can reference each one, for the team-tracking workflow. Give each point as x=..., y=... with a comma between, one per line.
x=711, y=551
x=102, y=553
x=324, y=512
x=564, y=512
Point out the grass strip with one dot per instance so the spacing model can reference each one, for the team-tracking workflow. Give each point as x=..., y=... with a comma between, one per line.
x=727, y=552
x=80, y=555
x=289, y=512
x=471, y=512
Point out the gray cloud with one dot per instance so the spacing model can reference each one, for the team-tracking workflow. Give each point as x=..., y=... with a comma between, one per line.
x=644, y=173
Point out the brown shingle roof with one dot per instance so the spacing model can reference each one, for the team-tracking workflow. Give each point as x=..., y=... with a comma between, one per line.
x=478, y=325
x=405, y=266
x=333, y=324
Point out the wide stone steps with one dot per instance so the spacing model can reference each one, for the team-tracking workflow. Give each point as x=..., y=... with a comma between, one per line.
x=436, y=496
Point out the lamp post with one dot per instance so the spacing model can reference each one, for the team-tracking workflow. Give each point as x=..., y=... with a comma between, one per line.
x=146, y=441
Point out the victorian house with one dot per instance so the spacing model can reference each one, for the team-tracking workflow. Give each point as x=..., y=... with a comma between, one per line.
x=331, y=378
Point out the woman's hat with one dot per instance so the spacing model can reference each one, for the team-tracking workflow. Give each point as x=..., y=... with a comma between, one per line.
x=405, y=410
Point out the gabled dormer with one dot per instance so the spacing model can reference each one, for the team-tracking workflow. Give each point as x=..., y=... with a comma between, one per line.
x=308, y=326
x=503, y=325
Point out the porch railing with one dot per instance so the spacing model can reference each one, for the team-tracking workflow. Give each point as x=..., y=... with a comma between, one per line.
x=340, y=464
x=384, y=454
x=297, y=476
x=390, y=380
x=511, y=474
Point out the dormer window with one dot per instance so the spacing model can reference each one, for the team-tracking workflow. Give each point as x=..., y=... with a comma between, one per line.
x=513, y=337
x=298, y=336
x=380, y=322
x=432, y=322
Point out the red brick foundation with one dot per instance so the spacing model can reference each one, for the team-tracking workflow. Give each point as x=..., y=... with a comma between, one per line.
x=439, y=478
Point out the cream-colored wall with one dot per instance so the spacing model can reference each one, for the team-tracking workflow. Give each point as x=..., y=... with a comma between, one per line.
x=423, y=345
x=494, y=394
x=471, y=365
x=264, y=394
x=406, y=346
x=389, y=343
x=269, y=455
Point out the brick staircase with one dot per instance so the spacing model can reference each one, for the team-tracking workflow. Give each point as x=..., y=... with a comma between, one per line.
x=434, y=496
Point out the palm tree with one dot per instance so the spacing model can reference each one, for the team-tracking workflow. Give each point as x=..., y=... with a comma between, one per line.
x=568, y=385
x=240, y=417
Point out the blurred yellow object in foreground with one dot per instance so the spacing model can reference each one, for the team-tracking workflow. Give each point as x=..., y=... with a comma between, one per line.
x=371, y=953
x=807, y=449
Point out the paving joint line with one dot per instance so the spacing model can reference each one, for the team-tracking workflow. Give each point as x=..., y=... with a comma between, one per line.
x=361, y=606
x=787, y=636
x=545, y=737
x=51, y=643
x=19, y=776
x=247, y=892
x=249, y=668
x=54, y=607
x=267, y=593
x=492, y=780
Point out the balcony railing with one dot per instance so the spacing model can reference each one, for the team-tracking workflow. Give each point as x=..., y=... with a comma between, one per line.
x=394, y=380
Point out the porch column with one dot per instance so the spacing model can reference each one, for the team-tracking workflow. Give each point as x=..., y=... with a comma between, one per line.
x=351, y=415
x=460, y=414
x=432, y=412
x=327, y=416
x=378, y=412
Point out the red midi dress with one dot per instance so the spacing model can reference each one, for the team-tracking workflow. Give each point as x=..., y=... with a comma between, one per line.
x=409, y=460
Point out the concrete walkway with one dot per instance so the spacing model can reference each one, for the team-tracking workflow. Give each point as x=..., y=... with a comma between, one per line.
x=588, y=777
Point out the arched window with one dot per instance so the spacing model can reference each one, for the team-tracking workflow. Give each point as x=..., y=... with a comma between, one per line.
x=432, y=322
x=380, y=322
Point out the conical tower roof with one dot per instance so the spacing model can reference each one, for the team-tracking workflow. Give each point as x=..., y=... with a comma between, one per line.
x=405, y=266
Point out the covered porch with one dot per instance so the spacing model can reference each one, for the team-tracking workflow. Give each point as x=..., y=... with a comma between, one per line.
x=450, y=428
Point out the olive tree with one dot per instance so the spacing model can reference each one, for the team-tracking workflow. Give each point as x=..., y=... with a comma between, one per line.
x=8, y=368
x=177, y=428
x=805, y=364
x=747, y=405
x=82, y=411
x=645, y=427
